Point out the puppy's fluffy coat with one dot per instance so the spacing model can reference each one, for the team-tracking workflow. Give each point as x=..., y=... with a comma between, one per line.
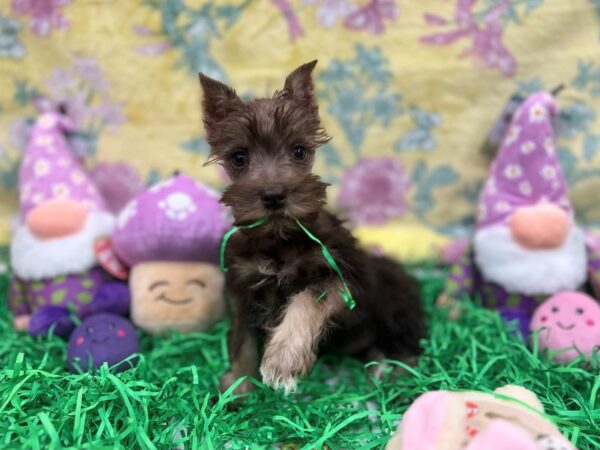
x=277, y=275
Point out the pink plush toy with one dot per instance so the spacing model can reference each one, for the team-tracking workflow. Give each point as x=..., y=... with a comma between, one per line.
x=509, y=419
x=570, y=323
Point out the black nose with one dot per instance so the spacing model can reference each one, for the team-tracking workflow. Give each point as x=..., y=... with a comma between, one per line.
x=273, y=197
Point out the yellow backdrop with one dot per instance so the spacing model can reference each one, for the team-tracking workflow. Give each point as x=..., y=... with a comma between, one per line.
x=408, y=90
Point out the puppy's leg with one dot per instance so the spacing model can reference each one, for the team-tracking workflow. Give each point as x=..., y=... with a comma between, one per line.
x=243, y=355
x=291, y=348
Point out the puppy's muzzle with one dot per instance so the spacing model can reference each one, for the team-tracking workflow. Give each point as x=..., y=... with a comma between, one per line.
x=273, y=197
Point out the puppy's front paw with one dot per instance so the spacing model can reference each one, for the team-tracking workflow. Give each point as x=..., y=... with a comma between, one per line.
x=229, y=378
x=282, y=365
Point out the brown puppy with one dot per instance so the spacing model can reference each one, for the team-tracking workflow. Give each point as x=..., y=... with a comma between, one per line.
x=281, y=285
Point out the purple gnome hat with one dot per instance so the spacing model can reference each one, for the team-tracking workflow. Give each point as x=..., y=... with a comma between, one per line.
x=176, y=220
x=526, y=170
x=49, y=169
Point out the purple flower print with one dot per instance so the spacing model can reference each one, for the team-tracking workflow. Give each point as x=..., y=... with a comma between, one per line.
x=44, y=14
x=372, y=16
x=485, y=34
x=295, y=29
x=83, y=90
x=330, y=11
x=155, y=49
x=374, y=191
x=118, y=183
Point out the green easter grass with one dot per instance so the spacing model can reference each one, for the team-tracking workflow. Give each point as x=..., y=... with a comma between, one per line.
x=173, y=391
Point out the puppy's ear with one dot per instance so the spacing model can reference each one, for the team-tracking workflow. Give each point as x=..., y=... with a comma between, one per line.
x=219, y=99
x=299, y=84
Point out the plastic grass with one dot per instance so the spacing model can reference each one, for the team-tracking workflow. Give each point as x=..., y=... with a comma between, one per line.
x=172, y=395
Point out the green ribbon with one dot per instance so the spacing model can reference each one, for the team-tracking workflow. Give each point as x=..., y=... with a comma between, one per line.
x=230, y=233
x=344, y=290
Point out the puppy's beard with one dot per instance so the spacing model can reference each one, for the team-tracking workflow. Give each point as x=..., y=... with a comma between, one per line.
x=304, y=201
x=33, y=258
x=520, y=270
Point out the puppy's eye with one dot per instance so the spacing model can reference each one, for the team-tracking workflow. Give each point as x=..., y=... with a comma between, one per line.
x=579, y=311
x=239, y=158
x=299, y=153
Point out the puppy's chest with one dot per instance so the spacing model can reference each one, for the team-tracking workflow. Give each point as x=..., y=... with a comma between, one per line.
x=261, y=271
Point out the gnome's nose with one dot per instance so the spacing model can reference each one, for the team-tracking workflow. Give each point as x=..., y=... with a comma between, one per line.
x=56, y=218
x=540, y=227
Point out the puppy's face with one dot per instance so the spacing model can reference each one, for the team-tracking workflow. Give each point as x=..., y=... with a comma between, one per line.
x=267, y=146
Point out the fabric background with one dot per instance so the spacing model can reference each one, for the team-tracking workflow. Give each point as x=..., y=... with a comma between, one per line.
x=408, y=90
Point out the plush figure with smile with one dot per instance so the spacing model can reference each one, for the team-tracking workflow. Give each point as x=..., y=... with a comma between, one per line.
x=102, y=338
x=511, y=417
x=527, y=245
x=570, y=324
x=170, y=235
x=56, y=270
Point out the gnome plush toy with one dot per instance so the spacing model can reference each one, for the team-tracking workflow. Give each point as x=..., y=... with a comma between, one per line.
x=510, y=418
x=170, y=236
x=527, y=245
x=55, y=269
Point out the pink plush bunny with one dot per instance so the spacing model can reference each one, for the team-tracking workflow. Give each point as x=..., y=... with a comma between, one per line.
x=509, y=419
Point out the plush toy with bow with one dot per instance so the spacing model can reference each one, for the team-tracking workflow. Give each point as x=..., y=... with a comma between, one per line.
x=527, y=245
x=170, y=236
x=510, y=418
x=55, y=268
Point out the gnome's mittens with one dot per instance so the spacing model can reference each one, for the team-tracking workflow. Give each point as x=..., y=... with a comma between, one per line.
x=21, y=323
x=47, y=316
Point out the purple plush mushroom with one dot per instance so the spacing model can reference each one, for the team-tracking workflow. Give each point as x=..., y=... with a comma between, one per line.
x=170, y=236
x=103, y=338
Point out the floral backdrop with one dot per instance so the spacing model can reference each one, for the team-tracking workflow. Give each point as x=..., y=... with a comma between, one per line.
x=409, y=91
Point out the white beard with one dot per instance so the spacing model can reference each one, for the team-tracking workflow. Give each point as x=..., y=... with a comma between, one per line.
x=35, y=259
x=503, y=261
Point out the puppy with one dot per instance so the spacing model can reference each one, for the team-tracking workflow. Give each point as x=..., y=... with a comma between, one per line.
x=282, y=288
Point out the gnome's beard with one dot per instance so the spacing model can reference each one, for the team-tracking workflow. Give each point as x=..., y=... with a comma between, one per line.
x=33, y=258
x=503, y=261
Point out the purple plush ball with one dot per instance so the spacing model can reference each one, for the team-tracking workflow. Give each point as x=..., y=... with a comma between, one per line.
x=102, y=338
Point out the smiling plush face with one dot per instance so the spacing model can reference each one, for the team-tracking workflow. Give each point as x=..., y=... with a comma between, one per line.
x=177, y=296
x=102, y=338
x=569, y=320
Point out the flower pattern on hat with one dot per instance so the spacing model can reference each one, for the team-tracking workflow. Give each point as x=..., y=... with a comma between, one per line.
x=50, y=171
x=522, y=175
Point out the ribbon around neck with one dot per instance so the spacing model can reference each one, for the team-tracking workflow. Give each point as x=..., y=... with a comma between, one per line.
x=344, y=290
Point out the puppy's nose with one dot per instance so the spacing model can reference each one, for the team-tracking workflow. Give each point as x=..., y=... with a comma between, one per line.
x=273, y=197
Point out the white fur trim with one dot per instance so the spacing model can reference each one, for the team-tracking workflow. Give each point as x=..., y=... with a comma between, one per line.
x=520, y=270
x=34, y=259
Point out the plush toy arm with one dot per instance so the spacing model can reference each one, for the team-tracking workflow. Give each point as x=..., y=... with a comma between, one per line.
x=113, y=297
x=17, y=300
